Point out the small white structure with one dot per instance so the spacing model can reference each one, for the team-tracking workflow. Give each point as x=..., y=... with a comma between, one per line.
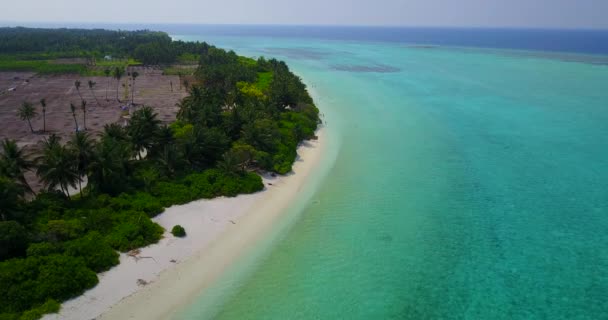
x=107, y=58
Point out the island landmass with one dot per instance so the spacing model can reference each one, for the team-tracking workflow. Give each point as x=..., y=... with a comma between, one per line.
x=98, y=184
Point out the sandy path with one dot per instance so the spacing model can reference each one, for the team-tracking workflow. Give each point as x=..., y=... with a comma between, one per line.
x=219, y=230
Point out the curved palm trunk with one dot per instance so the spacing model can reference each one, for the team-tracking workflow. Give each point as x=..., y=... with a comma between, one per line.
x=117, y=85
x=44, y=121
x=30, y=124
x=94, y=96
x=107, y=88
x=75, y=122
x=64, y=189
x=84, y=116
x=133, y=92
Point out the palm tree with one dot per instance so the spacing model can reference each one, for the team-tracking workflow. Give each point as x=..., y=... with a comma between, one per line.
x=43, y=103
x=14, y=163
x=27, y=112
x=83, y=107
x=118, y=73
x=82, y=145
x=134, y=76
x=170, y=160
x=91, y=86
x=164, y=136
x=142, y=129
x=114, y=131
x=10, y=194
x=77, y=85
x=57, y=166
x=189, y=107
x=107, y=73
x=50, y=142
x=73, y=109
x=230, y=164
x=110, y=166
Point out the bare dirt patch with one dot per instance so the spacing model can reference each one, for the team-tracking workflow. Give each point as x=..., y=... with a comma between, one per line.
x=152, y=88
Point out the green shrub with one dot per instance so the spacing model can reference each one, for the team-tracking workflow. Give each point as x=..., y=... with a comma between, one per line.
x=178, y=231
x=96, y=252
x=30, y=282
x=13, y=239
x=47, y=206
x=140, y=201
x=63, y=230
x=51, y=306
x=101, y=220
x=172, y=193
x=203, y=185
x=44, y=249
x=9, y=316
x=213, y=183
x=231, y=186
x=133, y=230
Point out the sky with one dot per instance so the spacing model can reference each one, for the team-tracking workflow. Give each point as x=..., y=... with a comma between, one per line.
x=461, y=13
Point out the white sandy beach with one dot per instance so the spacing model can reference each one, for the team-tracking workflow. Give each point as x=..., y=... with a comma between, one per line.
x=176, y=269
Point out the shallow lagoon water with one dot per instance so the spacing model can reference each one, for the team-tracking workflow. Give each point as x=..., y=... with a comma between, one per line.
x=458, y=184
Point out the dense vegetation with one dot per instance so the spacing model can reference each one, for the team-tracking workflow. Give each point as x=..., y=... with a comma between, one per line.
x=242, y=115
x=33, y=49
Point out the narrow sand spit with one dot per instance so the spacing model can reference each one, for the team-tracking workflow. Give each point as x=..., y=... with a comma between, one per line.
x=163, y=276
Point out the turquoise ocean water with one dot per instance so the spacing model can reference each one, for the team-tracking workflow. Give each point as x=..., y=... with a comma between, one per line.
x=457, y=183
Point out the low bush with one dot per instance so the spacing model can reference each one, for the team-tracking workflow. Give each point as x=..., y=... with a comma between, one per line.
x=178, y=231
x=31, y=282
x=42, y=249
x=213, y=183
x=133, y=230
x=97, y=254
x=172, y=193
x=140, y=201
x=13, y=239
x=51, y=306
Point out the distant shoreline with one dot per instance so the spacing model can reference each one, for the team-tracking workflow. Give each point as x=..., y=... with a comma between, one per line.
x=219, y=231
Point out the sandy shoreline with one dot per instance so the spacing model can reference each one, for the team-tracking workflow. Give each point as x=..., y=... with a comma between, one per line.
x=219, y=230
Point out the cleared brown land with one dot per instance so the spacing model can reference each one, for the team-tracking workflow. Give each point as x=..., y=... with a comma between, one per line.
x=151, y=89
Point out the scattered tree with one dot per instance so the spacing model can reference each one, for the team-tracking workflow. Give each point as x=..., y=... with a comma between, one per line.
x=107, y=72
x=82, y=145
x=27, y=112
x=10, y=196
x=83, y=107
x=57, y=166
x=142, y=129
x=118, y=73
x=43, y=103
x=91, y=86
x=77, y=85
x=73, y=110
x=134, y=76
x=14, y=163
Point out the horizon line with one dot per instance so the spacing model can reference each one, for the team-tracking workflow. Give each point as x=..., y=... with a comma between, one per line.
x=70, y=24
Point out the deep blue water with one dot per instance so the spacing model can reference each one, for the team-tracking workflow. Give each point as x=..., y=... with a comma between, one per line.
x=580, y=41
x=551, y=40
